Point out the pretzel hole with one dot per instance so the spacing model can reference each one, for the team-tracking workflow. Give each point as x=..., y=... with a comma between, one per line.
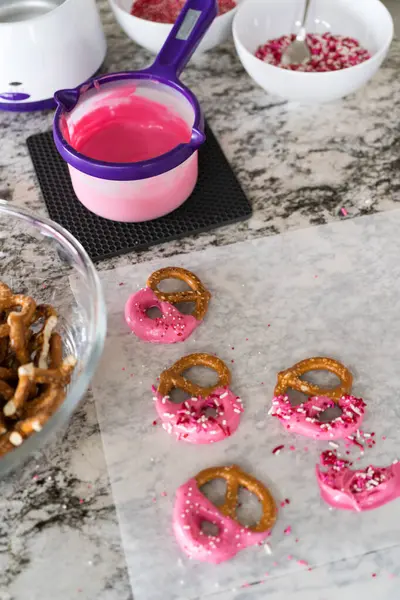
x=177, y=396
x=173, y=285
x=210, y=529
x=322, y=378
x=202, y=376
x=330, y=414
x=154, y=312
x=210, y=412
x=248, y=509
x=186, y=308
x=215, y=491
x=296, y=397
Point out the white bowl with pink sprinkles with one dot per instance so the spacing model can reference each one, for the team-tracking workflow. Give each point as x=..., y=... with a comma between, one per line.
x=348, y=40
x=150, y=31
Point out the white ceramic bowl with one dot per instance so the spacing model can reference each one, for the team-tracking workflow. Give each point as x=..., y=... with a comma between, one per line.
x=257, y=21
x=152, y=35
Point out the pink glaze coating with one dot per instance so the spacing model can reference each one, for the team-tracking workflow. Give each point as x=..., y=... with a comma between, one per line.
x=190, y=510
x=128, y=128
x=303, y=418
x=172, y=327
x=358, y=490
x=189, y=421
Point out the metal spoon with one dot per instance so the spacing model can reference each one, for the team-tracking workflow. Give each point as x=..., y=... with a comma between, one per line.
x=298, y=51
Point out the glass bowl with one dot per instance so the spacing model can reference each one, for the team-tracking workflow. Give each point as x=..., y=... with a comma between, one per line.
x=41, y=259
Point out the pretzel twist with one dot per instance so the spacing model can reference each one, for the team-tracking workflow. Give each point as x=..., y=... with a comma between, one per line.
x=236, y=478
x=172, y=378
x=198, y=293
x=291, y=378
x=33, y=375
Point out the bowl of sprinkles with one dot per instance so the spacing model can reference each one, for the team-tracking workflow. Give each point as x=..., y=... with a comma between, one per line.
x=348, y=41
x=149, y=22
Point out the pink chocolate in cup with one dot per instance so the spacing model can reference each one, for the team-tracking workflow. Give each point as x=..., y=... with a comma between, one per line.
x=130, y=139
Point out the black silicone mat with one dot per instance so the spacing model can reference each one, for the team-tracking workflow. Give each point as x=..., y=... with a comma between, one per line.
x=216, y=200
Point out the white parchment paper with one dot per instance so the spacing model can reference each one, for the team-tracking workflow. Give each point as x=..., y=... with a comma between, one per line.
x=331, y=290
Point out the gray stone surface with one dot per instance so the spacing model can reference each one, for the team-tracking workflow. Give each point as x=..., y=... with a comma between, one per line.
x=299, y=166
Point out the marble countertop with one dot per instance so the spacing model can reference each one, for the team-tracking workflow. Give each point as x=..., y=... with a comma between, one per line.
x=299, y=166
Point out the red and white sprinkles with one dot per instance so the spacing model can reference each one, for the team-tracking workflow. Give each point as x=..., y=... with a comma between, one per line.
x=167, y=11
x=329, y=53
x=343, y=487
x=304, y=418
x=201, y=420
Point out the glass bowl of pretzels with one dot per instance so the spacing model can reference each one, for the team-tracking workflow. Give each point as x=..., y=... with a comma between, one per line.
x=52, y=330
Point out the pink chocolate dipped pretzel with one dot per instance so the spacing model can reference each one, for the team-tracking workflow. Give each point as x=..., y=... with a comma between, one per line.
x=358, y=490
x=192, y=508
x=210, y=415
x=304, y=418
x=172, y=326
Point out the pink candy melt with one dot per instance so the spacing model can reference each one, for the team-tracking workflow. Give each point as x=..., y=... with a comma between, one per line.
x=303, y=418
x=191, y=509
x=172, y=327
x=358, y=490
x=328, y=53
x=128, y=128
x=189, y=421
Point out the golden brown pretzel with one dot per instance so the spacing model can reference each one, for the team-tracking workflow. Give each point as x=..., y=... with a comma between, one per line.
x=172, y=378
x=30, y=393
x=198, y=294
x=290, y=379
x=236, y=478
x=17, y=322
x=40, y=342
x=56, y=380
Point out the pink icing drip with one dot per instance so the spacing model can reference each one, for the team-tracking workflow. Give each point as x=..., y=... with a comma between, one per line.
x=303, y=418
x=189, y=422
x=172, y=327
x=358, y=490
x=190, y=510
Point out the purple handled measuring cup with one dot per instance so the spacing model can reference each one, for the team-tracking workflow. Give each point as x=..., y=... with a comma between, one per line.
x=140, y=191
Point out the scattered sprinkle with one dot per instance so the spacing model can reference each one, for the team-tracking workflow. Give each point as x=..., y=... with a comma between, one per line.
x=344, y=211
x=278, y=449
x=292, y=448
x=287, y=530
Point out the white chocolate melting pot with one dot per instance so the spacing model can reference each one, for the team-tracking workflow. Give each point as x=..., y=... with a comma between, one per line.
x=327, y=291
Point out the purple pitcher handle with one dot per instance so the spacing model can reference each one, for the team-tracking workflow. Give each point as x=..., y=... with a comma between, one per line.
x=189, y=28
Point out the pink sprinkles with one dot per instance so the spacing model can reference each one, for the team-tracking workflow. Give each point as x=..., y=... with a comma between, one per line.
x=328, y=53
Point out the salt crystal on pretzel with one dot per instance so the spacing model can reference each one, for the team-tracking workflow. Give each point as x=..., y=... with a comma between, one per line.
x=192, y=508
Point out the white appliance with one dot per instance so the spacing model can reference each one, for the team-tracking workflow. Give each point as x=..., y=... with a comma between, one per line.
x=46, y=45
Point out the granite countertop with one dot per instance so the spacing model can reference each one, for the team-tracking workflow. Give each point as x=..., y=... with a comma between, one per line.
x=299, y=166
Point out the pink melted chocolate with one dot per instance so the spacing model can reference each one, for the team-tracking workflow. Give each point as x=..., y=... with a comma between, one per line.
x=191, y=509
x=167, y=11
x=304, y=419
x=357, y=490
x=170, y=328
x=191, y=421
x=125, y=128
x=328, y=52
